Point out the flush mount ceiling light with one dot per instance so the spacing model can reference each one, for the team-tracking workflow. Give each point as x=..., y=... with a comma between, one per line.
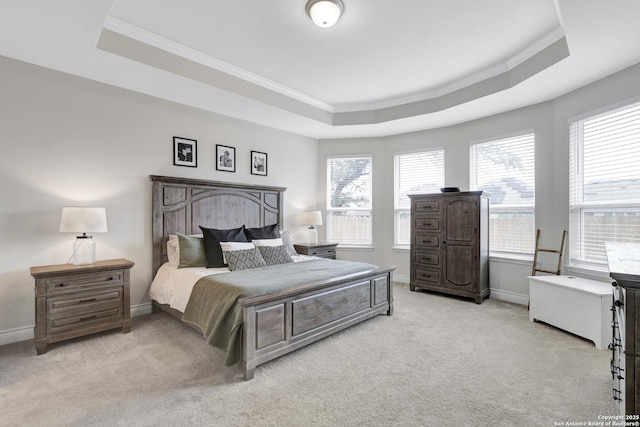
x=325, y=13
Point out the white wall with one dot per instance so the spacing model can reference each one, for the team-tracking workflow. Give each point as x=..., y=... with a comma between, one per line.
x=549, y=121
x=69, y=141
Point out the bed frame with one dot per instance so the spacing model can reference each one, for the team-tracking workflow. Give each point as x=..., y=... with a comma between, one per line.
x=278, y=323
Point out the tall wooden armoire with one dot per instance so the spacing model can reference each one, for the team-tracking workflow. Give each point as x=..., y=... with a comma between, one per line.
x=450, y=243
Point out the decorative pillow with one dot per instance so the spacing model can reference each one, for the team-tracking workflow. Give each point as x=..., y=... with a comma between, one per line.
x=173, y=252
x=275, y=254
x=234, y=246
x=212, y=239
x=244, y=259
x=288, y=244
x=266, y=232
x=173, y=249
x=191, y=251
x=268, y=242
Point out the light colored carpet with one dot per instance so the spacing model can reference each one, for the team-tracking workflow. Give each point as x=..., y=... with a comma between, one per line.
x=438, y=361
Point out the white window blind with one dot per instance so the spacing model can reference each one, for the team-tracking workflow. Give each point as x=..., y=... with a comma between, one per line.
x=604, y=183
x=414, y=173
x=505, y=168
x=349, y=200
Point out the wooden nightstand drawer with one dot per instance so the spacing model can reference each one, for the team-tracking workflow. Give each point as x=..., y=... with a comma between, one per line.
x=89, y=280
x=107, y=317
x=320, y=249
x=86, y=302
x=323, y=252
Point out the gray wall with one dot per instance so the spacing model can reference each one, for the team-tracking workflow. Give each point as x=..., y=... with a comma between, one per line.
x=548, y=120
x=69, y=141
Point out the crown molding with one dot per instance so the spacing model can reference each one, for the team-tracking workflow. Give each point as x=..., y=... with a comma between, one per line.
x=150, y=38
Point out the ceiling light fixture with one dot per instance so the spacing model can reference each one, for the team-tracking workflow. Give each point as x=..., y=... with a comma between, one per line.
x=325, y=13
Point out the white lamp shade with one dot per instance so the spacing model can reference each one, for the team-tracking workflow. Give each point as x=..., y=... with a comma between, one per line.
x=311, y=218
x=83, y=220
x=325, y=13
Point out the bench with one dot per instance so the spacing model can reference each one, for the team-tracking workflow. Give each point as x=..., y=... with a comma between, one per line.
x=576, y=305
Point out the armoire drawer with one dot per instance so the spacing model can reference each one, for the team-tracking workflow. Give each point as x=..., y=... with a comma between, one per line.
x=427, y=276
x=424, y=240
x=426, y=223
x=427, y=258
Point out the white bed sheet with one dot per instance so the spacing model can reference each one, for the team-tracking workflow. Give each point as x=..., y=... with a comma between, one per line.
x=173, y=285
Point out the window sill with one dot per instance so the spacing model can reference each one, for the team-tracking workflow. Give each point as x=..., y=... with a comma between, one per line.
x=342, y=247
x=402, y=249
x=520, y=259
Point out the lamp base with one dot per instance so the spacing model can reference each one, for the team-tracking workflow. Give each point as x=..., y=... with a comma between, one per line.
x=313, y=235
x=84, y=250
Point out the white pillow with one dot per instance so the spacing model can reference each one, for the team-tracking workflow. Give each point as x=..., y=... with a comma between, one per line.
x=267, y=242
x=173, y=252
x=286, y=241
x=173, y=249
x=234, y=246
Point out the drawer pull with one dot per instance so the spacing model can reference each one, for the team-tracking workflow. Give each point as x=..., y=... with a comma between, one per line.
x=426, y=241
x=616, y=393
x=87, y=300
x=84, y=319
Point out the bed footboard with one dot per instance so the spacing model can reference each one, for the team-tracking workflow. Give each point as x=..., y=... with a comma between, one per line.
x=279, y=323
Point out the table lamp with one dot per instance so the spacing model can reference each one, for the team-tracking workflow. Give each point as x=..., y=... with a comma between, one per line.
x=83, y=220
x=311, y=218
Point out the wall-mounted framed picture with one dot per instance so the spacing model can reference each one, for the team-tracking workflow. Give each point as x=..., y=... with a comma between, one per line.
x=258, y=163
x=185, y=152
x=225, y=158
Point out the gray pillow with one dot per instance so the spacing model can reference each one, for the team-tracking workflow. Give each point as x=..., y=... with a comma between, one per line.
x=191, y=251
x=244, y=259
x=275, y=254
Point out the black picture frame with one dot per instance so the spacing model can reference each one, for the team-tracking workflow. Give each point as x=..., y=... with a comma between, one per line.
x=225, y=158
x=185, y=152
x=258, y=163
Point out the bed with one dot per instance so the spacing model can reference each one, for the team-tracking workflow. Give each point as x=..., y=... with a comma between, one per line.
x=283, y=319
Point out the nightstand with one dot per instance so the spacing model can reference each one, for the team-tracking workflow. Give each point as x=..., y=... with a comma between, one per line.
x=320, y=249
x=77, y=300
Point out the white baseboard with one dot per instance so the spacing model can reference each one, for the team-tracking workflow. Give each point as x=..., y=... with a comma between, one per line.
x=401, y=278
x=141, y=309
x=509, y=297
x=16, y=335
x=25, y=333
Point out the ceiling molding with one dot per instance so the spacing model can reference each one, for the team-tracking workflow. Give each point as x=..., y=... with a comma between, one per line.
x=152, y=39
x=131, y=41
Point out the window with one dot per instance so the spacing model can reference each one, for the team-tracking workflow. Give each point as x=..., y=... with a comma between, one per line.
x=604, y=183
x=349, y=201
x=505, y=169
x=414, y=173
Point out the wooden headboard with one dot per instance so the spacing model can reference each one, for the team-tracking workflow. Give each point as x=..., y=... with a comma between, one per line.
x=180, y=205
